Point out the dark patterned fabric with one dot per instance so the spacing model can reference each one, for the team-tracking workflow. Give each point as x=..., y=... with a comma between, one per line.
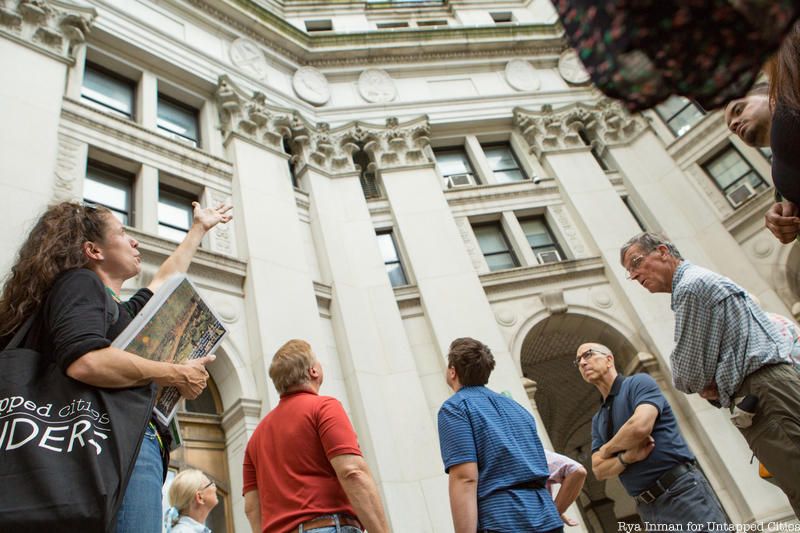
x=641, y=51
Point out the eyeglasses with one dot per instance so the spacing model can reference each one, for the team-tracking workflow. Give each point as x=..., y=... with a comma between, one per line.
x=588, y=354
x=635, y=263
x=204, y=487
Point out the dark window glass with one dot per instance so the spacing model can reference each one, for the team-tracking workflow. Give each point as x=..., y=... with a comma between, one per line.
x=368, y=179
x=737, y=180
x=319, y=25
x=111, y=188
x=391, y=259
x=504, y=165
x=495, y=247
x=503, y=17
x=175, y=213
x=680, y=114
x=108, y=91
x=541, y=240
x=177, y=119
x=455, y=167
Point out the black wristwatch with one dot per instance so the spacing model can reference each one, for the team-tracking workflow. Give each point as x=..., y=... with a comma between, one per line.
x=621, y=460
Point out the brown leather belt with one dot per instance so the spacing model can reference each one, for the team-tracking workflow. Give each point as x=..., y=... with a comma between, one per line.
x=329, y=521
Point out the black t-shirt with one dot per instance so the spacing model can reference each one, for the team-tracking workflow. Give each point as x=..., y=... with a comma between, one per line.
x=75, y=320
x=785, y=144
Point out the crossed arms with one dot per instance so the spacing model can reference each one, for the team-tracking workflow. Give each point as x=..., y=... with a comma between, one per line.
x=633, y=442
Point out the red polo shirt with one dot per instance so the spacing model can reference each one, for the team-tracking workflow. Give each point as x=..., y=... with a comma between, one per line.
x=288, y=460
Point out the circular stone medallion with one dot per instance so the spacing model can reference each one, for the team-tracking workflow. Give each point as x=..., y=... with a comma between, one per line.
x=571, y=68
x=375, y=85
x=311, y=85
x=246, y=55
x=522, y=76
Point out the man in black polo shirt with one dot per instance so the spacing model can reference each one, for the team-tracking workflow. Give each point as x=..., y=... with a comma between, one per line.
x=635, y=436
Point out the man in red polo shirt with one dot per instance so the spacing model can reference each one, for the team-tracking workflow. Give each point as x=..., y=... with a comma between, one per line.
x=303, y=469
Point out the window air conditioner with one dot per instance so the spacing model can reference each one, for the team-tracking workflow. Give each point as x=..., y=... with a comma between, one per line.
x=548, y=256
x=459, y=180
x=740, y=194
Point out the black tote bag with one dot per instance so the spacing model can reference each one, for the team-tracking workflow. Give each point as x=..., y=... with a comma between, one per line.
x=67, y=449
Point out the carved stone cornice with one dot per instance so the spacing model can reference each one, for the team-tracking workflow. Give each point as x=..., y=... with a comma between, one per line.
x=605, y=123
x=251, y=117
x=393, y=145
x=52, y=26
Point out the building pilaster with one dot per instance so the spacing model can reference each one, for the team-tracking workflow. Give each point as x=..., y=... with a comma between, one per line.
x=38, y=39
x=386, y=395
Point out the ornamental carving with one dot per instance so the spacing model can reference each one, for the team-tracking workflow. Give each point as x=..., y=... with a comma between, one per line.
x=375, y=85
x=521, y=75
x=56, y=26
x=250, y=116
x=393, y=145
x=549, y=130
x=70, y=165
x=571, y=68
x=247, y=56
x=311, y=85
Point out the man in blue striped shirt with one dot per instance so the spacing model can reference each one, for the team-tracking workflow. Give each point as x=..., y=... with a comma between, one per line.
x=728, y=351
x=491, y=451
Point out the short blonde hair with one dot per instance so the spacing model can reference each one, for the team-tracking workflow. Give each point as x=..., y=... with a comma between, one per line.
x=290, y=365
x=184, y=487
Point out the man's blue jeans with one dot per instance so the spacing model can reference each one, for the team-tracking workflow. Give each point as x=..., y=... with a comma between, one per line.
x=689, y=499
x=140, y=511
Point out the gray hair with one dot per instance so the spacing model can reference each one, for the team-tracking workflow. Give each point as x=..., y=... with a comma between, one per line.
x=648, y=242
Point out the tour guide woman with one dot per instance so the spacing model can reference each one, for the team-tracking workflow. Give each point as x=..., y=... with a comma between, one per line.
x=74, y=258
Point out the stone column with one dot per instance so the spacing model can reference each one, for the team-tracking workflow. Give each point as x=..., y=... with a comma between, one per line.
x=38, y=41
x=387, y=401
x=603, y=216
x=452, y=296
x=279, y=288
x=239, y=422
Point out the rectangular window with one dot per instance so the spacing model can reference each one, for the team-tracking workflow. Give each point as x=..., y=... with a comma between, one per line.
x=108, y=91
x=680, y=114
x=178, y=120
x=391, y=259
x=541, y=240
x=319, y=25
x=737, y=180
x=424, y=23
x=495, y=247
x=111, y=188
x=390, y=25
x=455, y=167
x=503, y=17
x=766, y=151
x=504, y=165
x=175, y=213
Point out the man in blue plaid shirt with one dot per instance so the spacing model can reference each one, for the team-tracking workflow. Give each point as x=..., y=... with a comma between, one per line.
x=728, y=351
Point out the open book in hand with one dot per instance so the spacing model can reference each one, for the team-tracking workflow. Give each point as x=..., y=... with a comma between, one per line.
x=175, y=326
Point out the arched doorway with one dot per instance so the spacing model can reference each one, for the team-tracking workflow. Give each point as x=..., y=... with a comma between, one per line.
x=200, y=423
x=566, y=405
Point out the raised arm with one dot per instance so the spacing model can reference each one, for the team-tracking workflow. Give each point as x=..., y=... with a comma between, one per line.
x=204, y=219
x=356, y=480
x=463, y=488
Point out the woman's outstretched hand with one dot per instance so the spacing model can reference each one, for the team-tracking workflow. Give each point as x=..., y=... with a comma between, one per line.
x=208, y=217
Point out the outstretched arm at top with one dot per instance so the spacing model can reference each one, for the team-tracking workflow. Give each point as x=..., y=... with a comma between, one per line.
x=204, y=219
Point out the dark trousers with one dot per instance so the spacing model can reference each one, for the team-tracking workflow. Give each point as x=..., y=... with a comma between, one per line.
x=690, y=498
x=774, y=436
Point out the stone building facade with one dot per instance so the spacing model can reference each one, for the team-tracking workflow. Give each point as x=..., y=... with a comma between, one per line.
x=402, y=174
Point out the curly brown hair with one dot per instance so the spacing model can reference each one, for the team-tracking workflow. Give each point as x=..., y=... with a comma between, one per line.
x=783, y=71
x=472, y=360
x=54, y=245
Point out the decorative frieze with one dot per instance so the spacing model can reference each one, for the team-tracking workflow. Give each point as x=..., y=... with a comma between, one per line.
x=393, y=145
x=549, y=130
x=250, y=116
x=54, y=26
